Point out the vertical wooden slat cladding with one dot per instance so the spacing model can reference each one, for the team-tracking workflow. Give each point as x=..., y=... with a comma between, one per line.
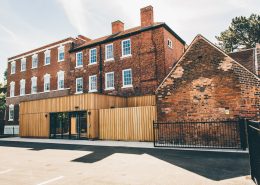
x=35, y=117
x=133, y=123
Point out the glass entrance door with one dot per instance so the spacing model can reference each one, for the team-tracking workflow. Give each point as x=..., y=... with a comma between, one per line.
x=68, y=125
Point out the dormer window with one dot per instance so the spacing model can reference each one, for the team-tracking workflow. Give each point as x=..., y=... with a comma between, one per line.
x=61, y=53
x=47, y=57
x=34, y=61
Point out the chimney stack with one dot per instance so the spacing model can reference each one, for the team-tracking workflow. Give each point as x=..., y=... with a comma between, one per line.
x=117, y=26
x=146, y=16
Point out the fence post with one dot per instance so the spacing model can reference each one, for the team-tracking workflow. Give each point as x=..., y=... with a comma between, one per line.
x=242, y=132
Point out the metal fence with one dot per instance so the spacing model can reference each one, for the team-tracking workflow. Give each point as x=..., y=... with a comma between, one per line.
x=253, y=130
x=201, y=134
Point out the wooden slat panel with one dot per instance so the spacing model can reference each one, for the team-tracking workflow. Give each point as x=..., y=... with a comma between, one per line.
x=137, y=101
x=135, y=123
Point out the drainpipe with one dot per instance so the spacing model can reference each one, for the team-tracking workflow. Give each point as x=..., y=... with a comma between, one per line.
x=100, y=70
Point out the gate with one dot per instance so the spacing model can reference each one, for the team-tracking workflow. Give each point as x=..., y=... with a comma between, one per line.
x=201, y=134
x=253, y=129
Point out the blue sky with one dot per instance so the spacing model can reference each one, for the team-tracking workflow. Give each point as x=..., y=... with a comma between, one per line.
x=27, y=24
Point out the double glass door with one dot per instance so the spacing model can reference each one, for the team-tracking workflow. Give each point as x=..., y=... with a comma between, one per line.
x=68, y=125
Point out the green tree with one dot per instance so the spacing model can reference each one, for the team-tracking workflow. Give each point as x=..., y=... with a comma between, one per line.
x=243, y=32
x=3, y=93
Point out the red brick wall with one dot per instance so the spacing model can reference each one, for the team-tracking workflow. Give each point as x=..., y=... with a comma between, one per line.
x=147, y=63
x=207, y=84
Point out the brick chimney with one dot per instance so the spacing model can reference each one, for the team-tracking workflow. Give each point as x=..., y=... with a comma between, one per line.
x=117, y=26
x=146, y=16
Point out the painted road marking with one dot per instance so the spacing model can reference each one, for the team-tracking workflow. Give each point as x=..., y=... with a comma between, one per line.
x=5, y=171
x=51, y=180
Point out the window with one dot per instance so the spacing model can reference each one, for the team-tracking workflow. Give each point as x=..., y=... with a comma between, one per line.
x=93, y=83
x=22, y=87
x=11, y=112
x=12, y=88
x=126, y=47
x=109, y=52
x=79, y=85
x=93, y=56
x=169, y=43
x=23, y=64
x=34, y=61
x=47, y=57
x=109, y=81
x=61, y=53
x=46, y=82
x=34, y=85
x=60, y=80
x=79, y=59
x=127, y=78
x=13, y=67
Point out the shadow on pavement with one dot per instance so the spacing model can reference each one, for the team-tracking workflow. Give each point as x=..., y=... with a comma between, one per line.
x=212, y=165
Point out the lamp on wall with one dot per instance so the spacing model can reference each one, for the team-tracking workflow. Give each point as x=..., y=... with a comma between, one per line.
x=76, y=107
x=46, y=115
x=89, y=113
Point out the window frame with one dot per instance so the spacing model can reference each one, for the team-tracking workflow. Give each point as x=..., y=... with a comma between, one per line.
x=90, y=56
x=13, y=66
x=12, y=89
x=89, y=83
x=123, y=78
x=22, y=84
x=61, y=49
x=106, y=87
x=122, y=48
x=35, y=56
x=23, y=63
x=46, y=76
x=47, y=54
x=77, y=66
x=106, y=50
x=171, y=43
x=33, y=79
x=58, y=80
x=11, y=107
x=77, y=79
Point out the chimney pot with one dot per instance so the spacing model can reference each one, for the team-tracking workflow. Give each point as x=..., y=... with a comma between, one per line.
x=117, y=26
x=147, y=16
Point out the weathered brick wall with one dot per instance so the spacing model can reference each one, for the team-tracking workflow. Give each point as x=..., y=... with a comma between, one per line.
x=208, y=84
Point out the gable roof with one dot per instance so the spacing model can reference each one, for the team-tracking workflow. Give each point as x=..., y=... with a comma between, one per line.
x=198, y=37
x=125, y=33
x=246, y=58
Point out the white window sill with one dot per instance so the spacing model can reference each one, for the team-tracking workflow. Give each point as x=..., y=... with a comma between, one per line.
x=79, y=92
x=127, y=86
x=12, y=73
x=34, y=93
x=126, y=56
x=61, y=60
x=47, y=64
x=23, y=71
x=92, y=63
x=109, y=89
x=110, y=60
x=60, y=89
x=22, y=94
x=91, y=91
x=46, y=91
x=34, y=67
x=10, y=120
x=79, y=66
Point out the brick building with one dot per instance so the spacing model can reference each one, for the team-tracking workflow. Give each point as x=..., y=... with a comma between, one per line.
x=125, y=63
x=207, y=83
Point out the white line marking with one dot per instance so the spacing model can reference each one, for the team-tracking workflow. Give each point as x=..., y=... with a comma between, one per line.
x=6, y=171
x=51, y=180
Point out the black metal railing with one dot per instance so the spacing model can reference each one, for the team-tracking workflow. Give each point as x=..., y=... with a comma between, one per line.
x=201, y=134
x=253, y=130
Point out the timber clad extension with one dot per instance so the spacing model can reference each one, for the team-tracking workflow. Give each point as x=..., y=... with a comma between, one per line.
x=128, y=62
